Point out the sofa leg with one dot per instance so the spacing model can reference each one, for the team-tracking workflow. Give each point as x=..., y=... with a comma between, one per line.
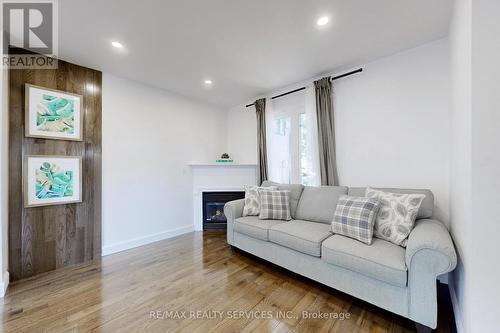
x=422, y=328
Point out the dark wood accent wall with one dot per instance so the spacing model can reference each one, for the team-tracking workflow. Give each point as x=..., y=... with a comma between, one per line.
x=46, y=238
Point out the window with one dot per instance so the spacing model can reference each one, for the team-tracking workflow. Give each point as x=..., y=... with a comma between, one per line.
x=282, y=126
x=281, y=153
x=308, y=175
x=291, y=144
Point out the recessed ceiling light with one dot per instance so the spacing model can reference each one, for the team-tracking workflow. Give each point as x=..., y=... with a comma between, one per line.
x=208, y=82
x=322, y=21
x=116, y=44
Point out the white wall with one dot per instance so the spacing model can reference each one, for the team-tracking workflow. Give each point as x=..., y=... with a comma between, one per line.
x=483, y=268
x=149, y=138
x=4, y=175
x=461, y=152
x=475, y=163
x=391, y=124
x=485, y=307
x=242, y=134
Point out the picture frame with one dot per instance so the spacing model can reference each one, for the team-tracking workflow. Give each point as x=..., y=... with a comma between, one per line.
x=52, y=180
x=53, y=114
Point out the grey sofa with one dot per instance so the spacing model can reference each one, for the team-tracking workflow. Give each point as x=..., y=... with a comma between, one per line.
x=401, y=280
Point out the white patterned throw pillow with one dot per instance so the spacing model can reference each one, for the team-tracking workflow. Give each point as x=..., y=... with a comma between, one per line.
x=396, y=215
x=252, y=200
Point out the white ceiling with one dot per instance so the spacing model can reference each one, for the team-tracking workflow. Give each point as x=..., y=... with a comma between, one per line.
x=247, y=47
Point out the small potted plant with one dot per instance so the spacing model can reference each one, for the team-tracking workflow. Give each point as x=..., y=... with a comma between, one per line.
x=224, y=158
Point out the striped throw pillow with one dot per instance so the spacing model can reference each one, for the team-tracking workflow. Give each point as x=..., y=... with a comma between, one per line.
x=355, y=217
x=274, y=205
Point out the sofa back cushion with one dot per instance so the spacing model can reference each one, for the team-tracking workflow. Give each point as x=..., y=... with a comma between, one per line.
x=295, y=192
x=426, y=208
x=318, y=203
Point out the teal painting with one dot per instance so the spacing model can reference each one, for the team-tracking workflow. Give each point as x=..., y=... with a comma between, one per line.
x=55, y=114
x=53, y=182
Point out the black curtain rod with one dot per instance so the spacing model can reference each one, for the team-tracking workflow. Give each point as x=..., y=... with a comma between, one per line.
x=299, y=89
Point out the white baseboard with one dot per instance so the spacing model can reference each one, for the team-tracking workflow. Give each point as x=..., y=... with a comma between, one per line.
x=129, y=244
x=4, y=284
x=456, y=308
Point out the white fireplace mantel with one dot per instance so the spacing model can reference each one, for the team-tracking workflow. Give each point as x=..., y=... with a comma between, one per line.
x=218, y=177
x=229, y=165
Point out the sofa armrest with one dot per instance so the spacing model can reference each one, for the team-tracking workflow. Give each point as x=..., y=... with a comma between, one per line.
x=430, y=252
x=433, y=236
x=233, y=210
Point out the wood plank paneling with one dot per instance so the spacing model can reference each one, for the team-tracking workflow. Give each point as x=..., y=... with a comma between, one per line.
x=46, y=238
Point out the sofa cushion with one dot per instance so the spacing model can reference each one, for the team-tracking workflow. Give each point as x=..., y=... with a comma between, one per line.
x=302, y=236
x=254, y=227
x=426, y=208
x=317, y=203
x=295, y=192
x=381, y=260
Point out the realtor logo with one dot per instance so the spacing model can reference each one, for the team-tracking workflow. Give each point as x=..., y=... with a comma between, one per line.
x=29, y=30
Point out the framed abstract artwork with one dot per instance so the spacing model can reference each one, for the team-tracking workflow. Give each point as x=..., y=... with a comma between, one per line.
x=52, y=114
x=52, y=180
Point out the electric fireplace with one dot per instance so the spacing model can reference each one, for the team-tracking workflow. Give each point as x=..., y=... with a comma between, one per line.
x=213, y=208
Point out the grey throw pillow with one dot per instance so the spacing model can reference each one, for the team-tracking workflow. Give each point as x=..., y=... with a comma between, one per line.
x=355, y=217
x=274, y=205
x=252, y=200
x=396, y=216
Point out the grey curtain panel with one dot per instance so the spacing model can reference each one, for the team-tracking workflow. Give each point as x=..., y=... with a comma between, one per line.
x=260, y=108
x=326, y=132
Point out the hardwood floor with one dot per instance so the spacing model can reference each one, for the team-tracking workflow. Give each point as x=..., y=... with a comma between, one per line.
x=133, y=291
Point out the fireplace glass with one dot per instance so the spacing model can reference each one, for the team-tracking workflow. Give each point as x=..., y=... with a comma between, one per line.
x=213, y=208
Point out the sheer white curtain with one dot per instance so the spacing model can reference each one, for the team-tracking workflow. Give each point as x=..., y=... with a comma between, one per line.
x=278, y=143
x=292, y=138
x=310, y=154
